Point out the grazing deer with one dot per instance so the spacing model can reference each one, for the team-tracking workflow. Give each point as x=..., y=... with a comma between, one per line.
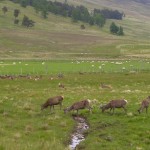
x=53, y=101
x=78, y=105
x=61, y=85
x=144, y=105
x=114, y=104
x=104, y=86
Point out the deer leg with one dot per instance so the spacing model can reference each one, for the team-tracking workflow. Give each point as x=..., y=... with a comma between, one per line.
x=89, y=108
x=146, y=109
x=77, y=111
x=139, y=110
x=60, y=105
x=124, y=109
x=113, y=109
x=142, y=108
x=50, y=108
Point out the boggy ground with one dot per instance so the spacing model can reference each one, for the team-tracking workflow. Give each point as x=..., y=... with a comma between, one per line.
x=24, y=126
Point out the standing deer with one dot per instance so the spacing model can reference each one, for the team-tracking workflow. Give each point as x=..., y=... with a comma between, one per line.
x=57, y=100
x=114, y=104
x=144, y=105
x=78, y=105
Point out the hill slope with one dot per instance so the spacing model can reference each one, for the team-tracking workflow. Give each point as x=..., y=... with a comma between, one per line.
x=60, y=38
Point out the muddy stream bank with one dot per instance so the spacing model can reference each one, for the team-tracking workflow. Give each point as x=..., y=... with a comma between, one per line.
x=78, y=134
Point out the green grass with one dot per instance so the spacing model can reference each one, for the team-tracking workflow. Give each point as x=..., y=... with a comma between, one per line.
x=55, y=67
x=24, y=126
x=72, y=50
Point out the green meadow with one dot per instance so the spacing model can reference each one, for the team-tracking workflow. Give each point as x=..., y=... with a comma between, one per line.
x=75, y=66
x=57, y=51
x=24, y=126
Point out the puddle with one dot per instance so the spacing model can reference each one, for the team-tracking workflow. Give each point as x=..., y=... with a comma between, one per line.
x=78, y=134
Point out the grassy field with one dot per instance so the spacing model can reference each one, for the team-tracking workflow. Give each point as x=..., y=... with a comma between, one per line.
x=74, y=66
x=86, y=58
x=24, y=126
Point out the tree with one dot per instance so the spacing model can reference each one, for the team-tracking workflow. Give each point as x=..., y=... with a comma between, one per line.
x=99, y=20
x=16, y=12
x=76, y=15
x=4, y=9
x=16, y=21
x=113, y=28
x=120, y=32
x=44, y=13
x=82, y=26
x=91, y=21
x=23, y=3
x=27, y=22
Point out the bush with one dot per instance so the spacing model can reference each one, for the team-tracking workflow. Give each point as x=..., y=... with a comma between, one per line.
x=16, y=21
x=82, y=26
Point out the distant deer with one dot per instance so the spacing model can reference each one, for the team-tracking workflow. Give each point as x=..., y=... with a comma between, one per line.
x=78, y=105
x=102, y=85
x=61, y=85
x=114, y=104
x=144, y=105
x=53, y=101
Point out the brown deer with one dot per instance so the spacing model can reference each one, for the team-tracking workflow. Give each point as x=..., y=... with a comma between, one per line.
x=144, y=105
x=115, y=104
x=57, y=100
x=105, y=86
x=61, y=85
x=78, y=105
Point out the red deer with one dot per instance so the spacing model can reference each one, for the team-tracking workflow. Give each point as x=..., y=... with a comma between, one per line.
x=105, y=86
x=78, y=105
x=61, y=85
x=114, y=104
x=53, y=101
x=144, y=104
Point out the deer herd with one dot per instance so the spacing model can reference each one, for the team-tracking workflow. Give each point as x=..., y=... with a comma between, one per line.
x=118, y=103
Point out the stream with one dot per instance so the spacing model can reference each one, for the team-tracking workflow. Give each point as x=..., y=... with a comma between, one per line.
x=78, y=135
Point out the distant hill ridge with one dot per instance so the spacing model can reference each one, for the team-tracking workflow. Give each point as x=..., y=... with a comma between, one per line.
x=143, y=1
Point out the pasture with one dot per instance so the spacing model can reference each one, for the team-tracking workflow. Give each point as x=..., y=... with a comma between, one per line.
x=57, y=51
x=47, y=67
x=59, y=38
x=24, y=126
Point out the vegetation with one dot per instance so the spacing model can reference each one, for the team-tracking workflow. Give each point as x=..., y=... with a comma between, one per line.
x=50, y=39
x=16, y=13
x=26, y=127
x=27, y=22
x=34, y=61
x=4, y=9
x=78, y=13
x=115, y=29
x=110, y=14
x=55, y=67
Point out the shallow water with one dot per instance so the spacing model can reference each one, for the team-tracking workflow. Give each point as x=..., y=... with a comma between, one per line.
x=78, y=135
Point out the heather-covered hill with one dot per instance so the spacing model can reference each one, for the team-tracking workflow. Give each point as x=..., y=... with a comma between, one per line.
x=58, y=37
